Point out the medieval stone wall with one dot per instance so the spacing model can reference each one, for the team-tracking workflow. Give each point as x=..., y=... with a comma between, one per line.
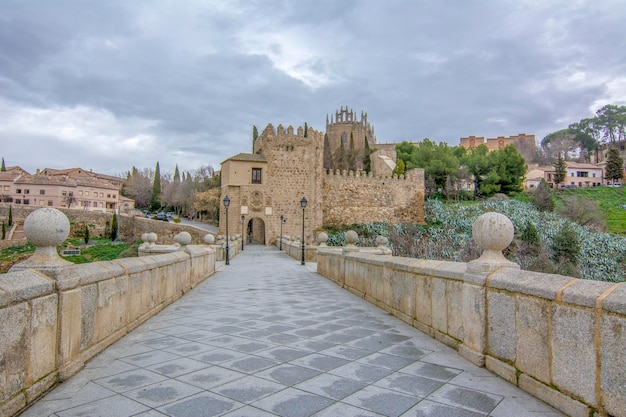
x=356, y=198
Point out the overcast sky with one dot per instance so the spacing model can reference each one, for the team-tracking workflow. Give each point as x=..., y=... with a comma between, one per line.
x=108, y=85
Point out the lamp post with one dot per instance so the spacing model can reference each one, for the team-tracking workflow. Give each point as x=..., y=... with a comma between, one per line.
x=283, y=219
x=243, y=236
x=226, y=204
x=303, y=205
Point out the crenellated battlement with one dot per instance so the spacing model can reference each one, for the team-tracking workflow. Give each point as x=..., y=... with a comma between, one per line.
x=287, y=138
x=281, y=131
x=411, y=175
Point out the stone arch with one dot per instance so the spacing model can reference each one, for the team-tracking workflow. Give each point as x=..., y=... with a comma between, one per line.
x=255, y=231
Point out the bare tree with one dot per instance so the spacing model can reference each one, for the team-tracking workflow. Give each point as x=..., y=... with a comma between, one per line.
x=138, y=186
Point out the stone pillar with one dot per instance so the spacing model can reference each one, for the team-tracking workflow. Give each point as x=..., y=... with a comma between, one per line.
x=493, y=232
x=46, y=228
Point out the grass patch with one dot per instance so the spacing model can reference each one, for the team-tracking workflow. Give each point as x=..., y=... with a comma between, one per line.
x=99, y=252
x=611, y=201
x=11, y=252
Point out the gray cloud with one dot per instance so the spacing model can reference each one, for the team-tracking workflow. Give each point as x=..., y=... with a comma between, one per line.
x=111, y=85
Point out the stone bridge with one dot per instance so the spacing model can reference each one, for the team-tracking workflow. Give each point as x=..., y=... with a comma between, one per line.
x=357, y=332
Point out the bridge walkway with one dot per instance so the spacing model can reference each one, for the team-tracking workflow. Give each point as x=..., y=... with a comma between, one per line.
x=266, y=336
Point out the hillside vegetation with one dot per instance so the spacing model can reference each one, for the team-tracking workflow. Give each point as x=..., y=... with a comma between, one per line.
x=552, y=244
x=611, y=201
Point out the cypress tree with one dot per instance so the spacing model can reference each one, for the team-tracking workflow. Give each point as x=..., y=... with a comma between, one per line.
x=367, y=160
x=351, y=154
x=176, y=174
x=306, y=128
x=4, y=168
x=10, y=216
x=560, y=169
x=4, y=230
x=614, y=165
x=114, y=227
x=255, y=135
x=86, y=234
x=155, y=200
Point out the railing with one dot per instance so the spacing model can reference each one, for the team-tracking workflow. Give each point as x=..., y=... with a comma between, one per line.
x=57, y=315
x=560, y=339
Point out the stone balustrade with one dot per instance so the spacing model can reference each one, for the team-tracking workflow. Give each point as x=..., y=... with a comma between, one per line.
x=56, y=315
x=559, y=338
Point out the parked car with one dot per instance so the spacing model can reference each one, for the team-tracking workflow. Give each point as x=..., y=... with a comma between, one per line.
x=161, y=216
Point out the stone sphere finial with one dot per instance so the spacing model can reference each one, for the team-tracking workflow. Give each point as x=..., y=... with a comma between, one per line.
x=381, y=243
x=183, y=238
x=151, y=238
x=322, y=238
x=209, y=239
x=46, y=228
x=493, y=232
x=351, y=237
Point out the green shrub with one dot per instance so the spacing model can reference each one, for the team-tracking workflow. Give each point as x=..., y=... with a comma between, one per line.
x=86, y=235
x=447, y=235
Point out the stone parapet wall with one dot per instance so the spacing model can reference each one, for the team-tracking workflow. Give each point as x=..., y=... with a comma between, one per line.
x=131, y=228
x=294, y=250
x=351, y=198
x=559, y=338
x=52, y=325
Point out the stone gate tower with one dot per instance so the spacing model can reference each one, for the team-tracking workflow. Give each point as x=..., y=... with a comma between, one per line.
x=270, y=183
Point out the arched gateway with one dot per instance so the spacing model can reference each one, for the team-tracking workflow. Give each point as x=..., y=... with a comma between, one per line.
x=255, y=231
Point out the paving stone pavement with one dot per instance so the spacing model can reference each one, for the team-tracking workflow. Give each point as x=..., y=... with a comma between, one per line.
x=266, y=336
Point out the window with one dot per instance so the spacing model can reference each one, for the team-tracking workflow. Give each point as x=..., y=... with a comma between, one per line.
x=113, y=195
x=6, y=188
x=109, y=195
x=42, y=202
x=87, y=193
x=42, y=192
x=256, y=175
x=64, y=193
x=49, y=202
x=26, y=201
x=18, y=201
x=582, y=174
x=80, y=192
x=26, y=191
x=18, y=191
x=71, y=193
x=101, y=194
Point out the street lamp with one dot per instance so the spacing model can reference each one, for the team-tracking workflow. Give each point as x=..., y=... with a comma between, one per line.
x=282, y=220
x=226, y=204
x=243, y=216
x=303, y=205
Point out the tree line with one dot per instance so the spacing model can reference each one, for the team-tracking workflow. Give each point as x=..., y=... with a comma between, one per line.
x=454, y=170
x=580, y=140
x=186, y=193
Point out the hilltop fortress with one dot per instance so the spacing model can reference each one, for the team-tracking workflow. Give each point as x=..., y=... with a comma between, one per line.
x=286, y=166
